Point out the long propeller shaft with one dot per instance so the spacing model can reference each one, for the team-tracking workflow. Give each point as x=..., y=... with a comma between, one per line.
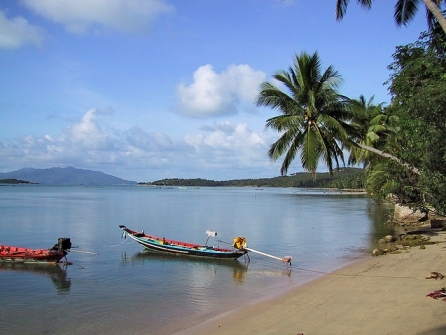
x=286, y=259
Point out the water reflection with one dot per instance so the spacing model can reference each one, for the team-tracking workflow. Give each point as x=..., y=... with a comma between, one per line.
x=379, y=215
x=55, y=273
x=239, y=268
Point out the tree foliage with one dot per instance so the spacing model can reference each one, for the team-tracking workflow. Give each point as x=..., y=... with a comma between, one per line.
x=418, y=88
x=373, y=126
x=405, y=11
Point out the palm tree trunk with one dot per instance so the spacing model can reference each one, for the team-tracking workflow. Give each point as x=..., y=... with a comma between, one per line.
x=433, y=8
x=387, y=155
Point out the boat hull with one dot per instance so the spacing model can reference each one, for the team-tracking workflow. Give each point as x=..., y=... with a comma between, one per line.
x=31, y=256
x=12, y=254
x=162, y=245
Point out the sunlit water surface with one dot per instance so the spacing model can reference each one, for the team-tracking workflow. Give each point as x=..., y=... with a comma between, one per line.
x=123, y=290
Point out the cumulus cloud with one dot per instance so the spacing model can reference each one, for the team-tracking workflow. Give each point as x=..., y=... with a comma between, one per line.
x=217, y=151
x=213, y=94
x=230, y=146
x=88, y=134
x=17, y=32
x=81, y=15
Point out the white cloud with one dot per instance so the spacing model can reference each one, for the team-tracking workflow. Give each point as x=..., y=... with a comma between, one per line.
x=230, y=146
x=213, y=94
x=219, y=151
x=81, y=15
x=17, y=32
x=88, y=134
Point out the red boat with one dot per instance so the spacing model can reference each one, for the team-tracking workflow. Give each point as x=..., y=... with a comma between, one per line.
x=26, y=255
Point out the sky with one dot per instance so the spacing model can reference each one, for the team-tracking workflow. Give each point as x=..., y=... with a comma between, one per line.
x=151, y=89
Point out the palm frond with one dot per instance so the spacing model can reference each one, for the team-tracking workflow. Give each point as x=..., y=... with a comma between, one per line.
x=335, y=128
x=310, y=151
x=341, y=7
x=278, y=148
x=405, y=10
x=272, y=96
x=291, y=154
x=285, y=122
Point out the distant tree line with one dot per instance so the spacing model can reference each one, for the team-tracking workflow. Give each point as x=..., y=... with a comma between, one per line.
x=348, y=178
x=14, y=181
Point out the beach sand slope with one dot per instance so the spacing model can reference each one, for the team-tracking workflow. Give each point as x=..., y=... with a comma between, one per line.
x=379, y=295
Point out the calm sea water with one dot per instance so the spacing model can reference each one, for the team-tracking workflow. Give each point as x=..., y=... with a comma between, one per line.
x=123, y=290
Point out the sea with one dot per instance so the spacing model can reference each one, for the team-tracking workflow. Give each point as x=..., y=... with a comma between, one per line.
x=112, y=286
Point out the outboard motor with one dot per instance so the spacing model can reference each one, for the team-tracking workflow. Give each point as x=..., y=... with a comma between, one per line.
x=63, y=243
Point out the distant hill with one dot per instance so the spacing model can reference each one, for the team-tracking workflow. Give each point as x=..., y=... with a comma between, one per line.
x=65, y=176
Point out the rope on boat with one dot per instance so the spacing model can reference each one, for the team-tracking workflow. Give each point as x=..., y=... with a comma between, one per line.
x=79, y=266
x=117, y=245
x=85, y=252
x=224, y=242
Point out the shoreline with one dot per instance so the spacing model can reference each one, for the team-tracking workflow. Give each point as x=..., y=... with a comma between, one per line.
x=378, y=295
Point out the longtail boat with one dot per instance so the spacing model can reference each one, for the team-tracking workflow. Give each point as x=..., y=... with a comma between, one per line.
x=161, y=244
x=27, y=255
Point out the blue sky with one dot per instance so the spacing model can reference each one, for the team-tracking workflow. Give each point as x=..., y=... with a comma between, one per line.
x=152, y=89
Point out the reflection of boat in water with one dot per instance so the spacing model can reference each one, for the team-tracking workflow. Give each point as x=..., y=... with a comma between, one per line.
x=57, y=274
x=239, y=269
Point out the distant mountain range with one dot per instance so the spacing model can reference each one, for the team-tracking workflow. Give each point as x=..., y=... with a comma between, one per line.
x=65, y=176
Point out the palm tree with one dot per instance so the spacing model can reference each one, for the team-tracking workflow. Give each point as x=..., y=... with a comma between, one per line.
x=313, y=115
x=405, y=11
x=373, y=126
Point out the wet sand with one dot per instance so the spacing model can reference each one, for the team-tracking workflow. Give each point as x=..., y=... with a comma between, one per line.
x=379, y=295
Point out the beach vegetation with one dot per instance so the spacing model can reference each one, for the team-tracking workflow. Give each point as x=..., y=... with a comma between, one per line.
x=373, y=126
x=407, y=138
x=418, y=87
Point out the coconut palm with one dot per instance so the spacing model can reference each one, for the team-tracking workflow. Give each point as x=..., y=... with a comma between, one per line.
x=405, y=11
x=313, y=115
x=373, y=128
x=373, y=124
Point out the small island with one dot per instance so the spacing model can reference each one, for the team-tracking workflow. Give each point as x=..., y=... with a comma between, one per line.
x=13, y=181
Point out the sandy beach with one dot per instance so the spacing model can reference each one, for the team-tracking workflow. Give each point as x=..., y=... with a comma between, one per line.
x=379, y=295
